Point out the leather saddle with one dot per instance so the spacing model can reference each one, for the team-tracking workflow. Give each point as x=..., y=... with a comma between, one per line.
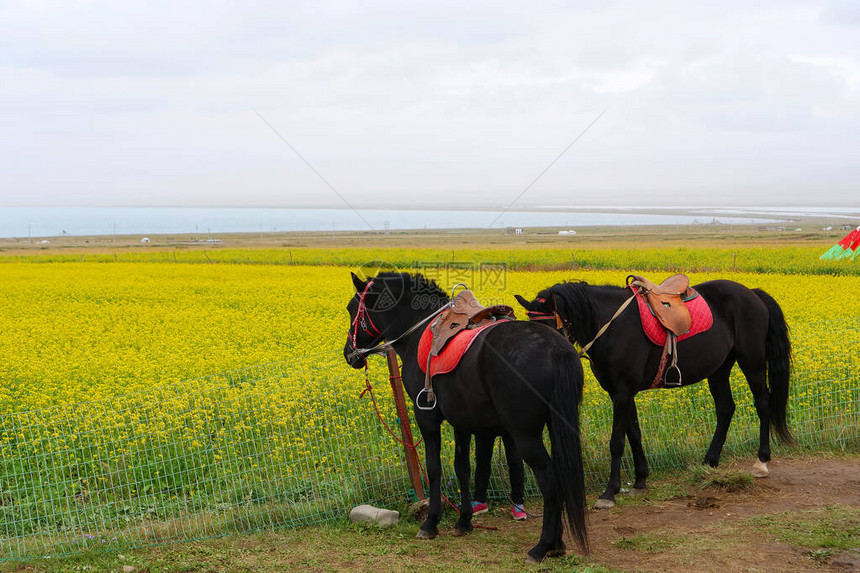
x=667, y=300
x=465, y=312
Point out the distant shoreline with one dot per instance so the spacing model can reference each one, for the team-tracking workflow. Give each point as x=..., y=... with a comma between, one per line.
x=757, y=211
x=45, y=222
x=764, y=233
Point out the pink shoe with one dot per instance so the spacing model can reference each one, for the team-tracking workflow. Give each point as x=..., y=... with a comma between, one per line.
x=478, y=507
x=519, y=512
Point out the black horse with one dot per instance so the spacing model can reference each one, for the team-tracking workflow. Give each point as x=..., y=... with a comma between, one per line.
x=749, y=329
x=518, y=377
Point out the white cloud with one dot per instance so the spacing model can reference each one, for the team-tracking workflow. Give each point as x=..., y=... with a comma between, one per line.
x=153, y=103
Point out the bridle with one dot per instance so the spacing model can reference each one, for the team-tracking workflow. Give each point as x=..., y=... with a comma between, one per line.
x=535, y=315
x=362, y=318
x=362, y=321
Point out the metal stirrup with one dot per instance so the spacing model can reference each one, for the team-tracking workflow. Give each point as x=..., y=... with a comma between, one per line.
x=430, y=394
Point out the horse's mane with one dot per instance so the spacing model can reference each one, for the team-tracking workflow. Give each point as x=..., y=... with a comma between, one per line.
x=575, y=301
x=570, y=299
x=417, y=284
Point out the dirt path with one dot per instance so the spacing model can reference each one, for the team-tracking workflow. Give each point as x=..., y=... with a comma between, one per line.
x=709, y=529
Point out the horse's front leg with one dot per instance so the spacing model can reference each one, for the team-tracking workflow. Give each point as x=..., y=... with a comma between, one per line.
x=621, y=407
x=640, y=462
x=724, y=404
x=462, y=446
x=432, y=435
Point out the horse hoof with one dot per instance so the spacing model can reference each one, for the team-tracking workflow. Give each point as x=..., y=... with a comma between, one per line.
x=536, y=554
x=461, y=532
x=424, y=535
x=759, y=469
x=637, y=491
x=532, y=560
x=560, y=550
x=604, y=504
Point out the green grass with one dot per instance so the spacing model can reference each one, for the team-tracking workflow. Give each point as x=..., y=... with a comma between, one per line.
x=673, y=483
x=648, y=542
x=332, y=547
x=721, y=478
x=338, y=546
x=833, y=527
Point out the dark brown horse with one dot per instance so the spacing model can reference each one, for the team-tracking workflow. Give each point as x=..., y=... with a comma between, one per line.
x=749, y=329
x=518, y=377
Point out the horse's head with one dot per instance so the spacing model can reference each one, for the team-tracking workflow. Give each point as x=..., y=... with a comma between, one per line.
x=566, y=306
x=542, y=309
x=372, y=311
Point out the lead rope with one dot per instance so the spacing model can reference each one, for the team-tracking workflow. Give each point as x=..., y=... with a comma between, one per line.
x=369, y=390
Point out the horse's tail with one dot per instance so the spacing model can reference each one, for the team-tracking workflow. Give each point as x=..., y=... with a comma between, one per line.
x=778, y=353
x=566, y=443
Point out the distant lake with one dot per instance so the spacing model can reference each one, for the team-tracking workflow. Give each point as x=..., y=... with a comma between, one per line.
x=52, y=222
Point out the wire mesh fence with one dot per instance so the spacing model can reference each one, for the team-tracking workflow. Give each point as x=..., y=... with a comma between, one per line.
x=291, y=444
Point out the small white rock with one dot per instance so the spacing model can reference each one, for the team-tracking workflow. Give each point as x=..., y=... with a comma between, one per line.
x=374, y=515
x=127, y=569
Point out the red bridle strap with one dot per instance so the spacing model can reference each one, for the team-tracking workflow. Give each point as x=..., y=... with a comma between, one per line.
x=535, y=315
x=362, y=317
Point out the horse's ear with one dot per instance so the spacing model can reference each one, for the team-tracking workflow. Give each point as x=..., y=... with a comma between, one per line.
x=359, y=285
x=522, y=301
x=557, y=303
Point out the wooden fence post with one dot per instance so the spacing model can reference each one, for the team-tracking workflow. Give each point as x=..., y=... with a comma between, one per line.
x=405, y=426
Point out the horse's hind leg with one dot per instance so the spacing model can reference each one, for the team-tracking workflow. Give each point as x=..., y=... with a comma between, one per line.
x=515, y=469
x=535, y=454
x=724, y=403
x=640, y=462
x=462, y=445
x=756, y=375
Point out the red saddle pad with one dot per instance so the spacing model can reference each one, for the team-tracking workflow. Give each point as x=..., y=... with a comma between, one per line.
x=450, y=356
x=700, y=313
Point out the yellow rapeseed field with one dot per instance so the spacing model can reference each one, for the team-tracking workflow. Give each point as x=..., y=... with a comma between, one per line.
x=77, y=332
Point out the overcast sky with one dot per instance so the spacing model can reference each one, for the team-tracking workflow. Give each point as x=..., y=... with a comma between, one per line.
x=443, y=103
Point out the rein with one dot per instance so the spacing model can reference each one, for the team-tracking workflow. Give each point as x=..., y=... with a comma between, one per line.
x=604, y=328
x=369, y=390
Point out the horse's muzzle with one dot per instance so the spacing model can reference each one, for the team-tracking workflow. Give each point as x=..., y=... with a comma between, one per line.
x=355, y=359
